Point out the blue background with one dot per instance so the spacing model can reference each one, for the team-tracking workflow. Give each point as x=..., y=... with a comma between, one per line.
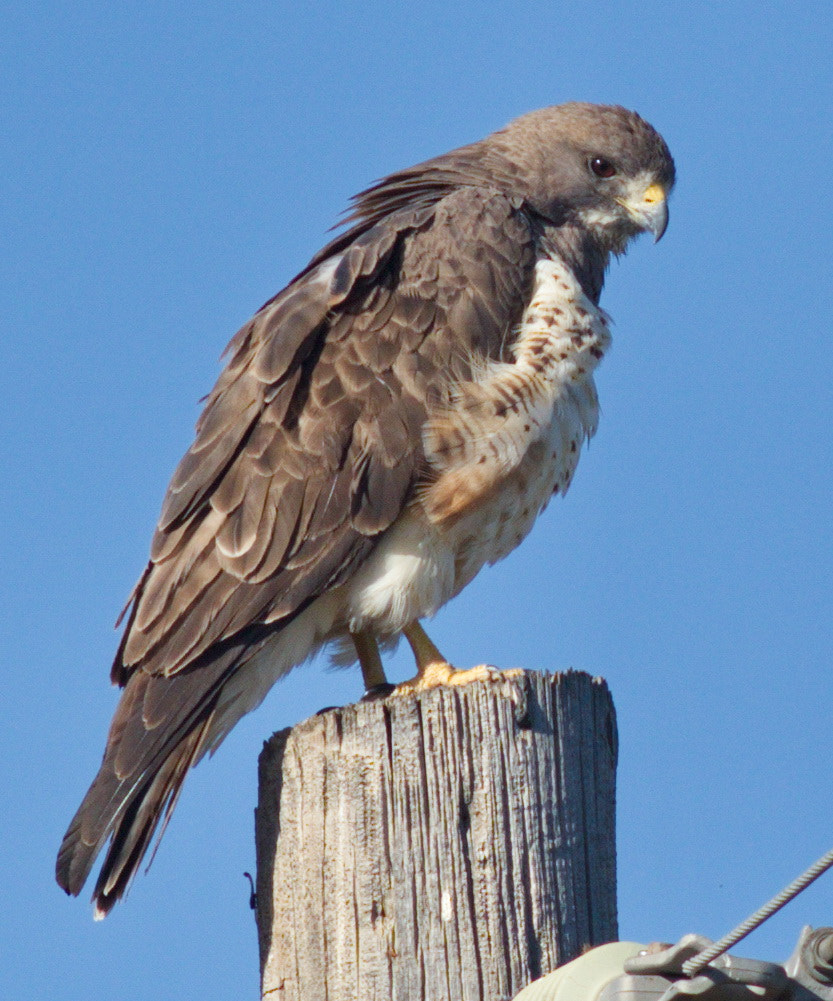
x=168, y=167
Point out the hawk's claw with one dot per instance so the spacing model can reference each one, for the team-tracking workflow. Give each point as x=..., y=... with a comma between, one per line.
x=440, y=673
x=376, y=692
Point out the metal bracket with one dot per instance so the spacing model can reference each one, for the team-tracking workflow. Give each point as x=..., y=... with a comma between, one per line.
x=727, y=978
x=625, y=972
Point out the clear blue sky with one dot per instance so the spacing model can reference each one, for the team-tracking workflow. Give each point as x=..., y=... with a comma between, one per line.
x=165, y=169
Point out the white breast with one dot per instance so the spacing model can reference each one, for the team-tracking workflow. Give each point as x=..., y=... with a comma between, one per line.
x=507, y=441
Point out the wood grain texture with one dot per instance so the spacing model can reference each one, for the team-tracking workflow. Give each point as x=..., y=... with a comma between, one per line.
x=429, y=848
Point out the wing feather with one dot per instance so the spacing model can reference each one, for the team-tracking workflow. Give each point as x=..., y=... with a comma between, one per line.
x=242, y=524
x=310, y=444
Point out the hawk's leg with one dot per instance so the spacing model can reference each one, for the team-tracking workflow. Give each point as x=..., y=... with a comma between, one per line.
x=434, y=670
x=373, y=674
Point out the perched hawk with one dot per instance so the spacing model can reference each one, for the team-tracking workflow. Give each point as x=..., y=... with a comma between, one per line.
x=389, y=423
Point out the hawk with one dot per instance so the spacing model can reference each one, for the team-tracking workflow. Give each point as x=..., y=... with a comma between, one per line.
x=388, y=424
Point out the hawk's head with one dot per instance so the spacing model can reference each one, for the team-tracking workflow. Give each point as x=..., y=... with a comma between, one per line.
x=598, y=166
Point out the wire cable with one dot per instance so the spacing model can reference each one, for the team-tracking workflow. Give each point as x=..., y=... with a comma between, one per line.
x=691, y=967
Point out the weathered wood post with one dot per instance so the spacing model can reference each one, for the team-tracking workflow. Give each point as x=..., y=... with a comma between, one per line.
x=433, y=849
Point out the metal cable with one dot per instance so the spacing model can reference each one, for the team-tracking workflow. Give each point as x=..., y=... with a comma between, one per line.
x=694, y=965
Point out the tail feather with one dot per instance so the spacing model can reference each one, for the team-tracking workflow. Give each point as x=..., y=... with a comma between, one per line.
x=132, y=818
x=151, y=808
x=140, y=779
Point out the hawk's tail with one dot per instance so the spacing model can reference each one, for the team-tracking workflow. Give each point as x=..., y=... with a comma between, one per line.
x=161, y=728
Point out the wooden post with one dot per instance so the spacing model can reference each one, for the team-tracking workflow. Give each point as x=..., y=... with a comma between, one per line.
x=433, y=849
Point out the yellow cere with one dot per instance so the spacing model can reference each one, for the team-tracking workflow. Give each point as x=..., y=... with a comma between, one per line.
x=654, y=193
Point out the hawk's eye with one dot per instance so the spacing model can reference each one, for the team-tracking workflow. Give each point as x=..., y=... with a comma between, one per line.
x=602, y=167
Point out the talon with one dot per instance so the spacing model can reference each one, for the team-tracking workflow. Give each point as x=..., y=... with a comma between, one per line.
x=481, y=672
x=381, y=691
x=433, y=671
x=438, y=673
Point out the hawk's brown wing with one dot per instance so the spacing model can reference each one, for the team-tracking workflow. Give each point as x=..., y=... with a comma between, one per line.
x=311, y=442
x=309, y=447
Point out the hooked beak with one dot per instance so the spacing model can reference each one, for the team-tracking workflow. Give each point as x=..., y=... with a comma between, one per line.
x=649, y=210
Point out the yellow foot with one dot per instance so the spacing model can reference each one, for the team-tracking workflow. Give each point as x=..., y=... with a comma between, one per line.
x=434, y=671
x=440, y=673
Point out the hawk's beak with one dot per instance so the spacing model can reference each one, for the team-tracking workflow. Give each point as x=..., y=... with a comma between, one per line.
x=649, y=210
